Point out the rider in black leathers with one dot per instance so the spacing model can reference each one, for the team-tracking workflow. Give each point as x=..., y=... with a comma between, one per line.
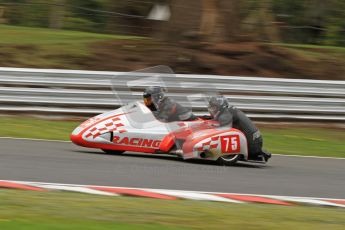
x=228, y=115
x=164, y=108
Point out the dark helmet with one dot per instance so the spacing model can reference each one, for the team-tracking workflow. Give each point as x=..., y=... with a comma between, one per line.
x=216, y=105
x=153, y=95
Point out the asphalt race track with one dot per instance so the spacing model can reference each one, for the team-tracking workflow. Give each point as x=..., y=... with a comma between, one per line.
x=59, y=162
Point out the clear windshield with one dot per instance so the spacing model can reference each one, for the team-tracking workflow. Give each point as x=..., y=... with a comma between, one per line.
x=139, y=115
x=129, y=87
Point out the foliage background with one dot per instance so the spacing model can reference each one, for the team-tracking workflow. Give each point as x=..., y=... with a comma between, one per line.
x=295, y=21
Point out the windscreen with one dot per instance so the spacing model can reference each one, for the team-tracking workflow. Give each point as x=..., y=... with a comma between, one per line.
x=129, y=87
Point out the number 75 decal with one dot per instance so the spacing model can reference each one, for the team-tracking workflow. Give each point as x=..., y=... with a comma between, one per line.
x=230, y=144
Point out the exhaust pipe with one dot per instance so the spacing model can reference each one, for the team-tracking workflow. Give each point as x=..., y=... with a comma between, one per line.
x=206, y=154
x=203, y=155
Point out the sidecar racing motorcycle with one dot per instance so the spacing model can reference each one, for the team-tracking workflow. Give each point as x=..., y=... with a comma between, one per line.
x=134, y=128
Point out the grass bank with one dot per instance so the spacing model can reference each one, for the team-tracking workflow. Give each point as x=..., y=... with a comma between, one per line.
x=62, y=210
x=64, y=49
x=48, y=48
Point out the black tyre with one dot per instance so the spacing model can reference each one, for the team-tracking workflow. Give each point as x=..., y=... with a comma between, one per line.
x=228, y=160
x=108, y=151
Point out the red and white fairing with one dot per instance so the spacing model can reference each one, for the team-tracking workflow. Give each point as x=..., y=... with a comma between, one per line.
x=134, y=128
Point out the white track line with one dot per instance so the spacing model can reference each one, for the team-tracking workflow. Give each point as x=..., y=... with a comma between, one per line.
x=317, y=157
x=33, y=139
x=59, y=141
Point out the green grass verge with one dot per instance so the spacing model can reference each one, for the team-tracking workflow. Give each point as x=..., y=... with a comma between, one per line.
x=41, y=47
x=305, y=141
x=38, y=36
x=310, y=46
x=291, y=141
x=62, y=210
x=36, y=128
x=315, y=52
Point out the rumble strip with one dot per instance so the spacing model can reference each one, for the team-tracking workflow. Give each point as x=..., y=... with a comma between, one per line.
x=173, y=194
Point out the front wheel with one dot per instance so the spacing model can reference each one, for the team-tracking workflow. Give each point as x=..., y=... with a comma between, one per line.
x=228, y=160
x=108, y=151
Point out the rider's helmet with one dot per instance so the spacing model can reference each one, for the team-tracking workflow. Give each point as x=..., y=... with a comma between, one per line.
x=216, y=105
x=153, y=95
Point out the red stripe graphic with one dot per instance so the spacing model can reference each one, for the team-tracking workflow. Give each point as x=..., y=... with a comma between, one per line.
x=256, y=199
x=214, y=146
x=134, y=192
x=215, y=138
x=206, y=143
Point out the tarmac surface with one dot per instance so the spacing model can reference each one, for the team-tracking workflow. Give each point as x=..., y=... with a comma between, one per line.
x=63, y=162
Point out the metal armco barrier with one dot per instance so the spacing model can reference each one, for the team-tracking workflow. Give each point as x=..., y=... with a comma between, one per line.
x=84, y=93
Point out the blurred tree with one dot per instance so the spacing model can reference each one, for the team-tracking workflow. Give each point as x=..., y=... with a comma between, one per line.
x=300, y=21
x=83, y=9
x=2, y=15
x=229, y=23
x=220, y=20
x=33, y=14
x=57, y=14
x=209, y=17
x=312, y=21
x=260, y=24
x=333, y=23
x=184, y=21
x=214, y=20
x=86, y=15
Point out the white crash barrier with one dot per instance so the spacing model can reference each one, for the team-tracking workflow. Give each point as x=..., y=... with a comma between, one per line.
x=73, y=92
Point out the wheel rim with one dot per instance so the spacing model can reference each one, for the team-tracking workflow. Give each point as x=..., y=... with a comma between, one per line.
x=229, y=158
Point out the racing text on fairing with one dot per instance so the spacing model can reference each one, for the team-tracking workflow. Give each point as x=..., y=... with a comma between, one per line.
x=141, y=142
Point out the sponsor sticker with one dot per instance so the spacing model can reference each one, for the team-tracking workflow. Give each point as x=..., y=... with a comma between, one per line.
x=140, y=142
x=230, y=144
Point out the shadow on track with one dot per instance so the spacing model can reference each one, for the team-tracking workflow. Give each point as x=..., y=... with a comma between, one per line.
x=174, y=158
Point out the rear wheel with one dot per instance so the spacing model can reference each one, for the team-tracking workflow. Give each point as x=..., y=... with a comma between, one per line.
x=109, y=151
x=228, y=160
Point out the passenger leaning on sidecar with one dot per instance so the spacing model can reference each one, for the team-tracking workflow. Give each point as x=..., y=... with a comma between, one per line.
x=164, y=108
x=228, y=115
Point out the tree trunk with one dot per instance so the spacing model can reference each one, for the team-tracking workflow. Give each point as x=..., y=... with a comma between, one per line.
x=268, y=30
x=220, y=20
x=2, y=15
x=230, y=20
x=209, y=17
x=57, y=14
x=260, y=25
x=215, y=20
x=184, y=20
